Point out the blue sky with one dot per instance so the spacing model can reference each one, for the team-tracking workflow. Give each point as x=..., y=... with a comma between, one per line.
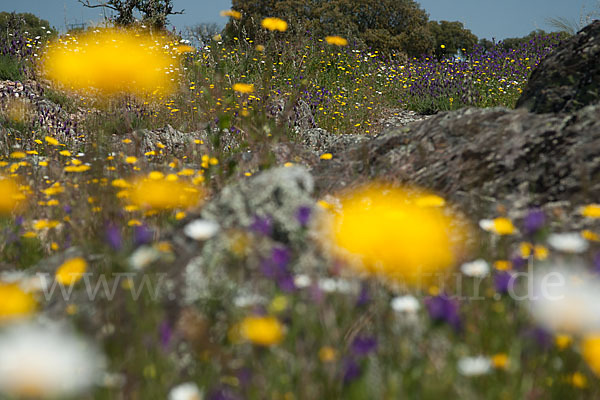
x=485, y=18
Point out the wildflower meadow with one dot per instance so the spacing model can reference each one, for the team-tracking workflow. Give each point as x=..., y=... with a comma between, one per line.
x=165, y=232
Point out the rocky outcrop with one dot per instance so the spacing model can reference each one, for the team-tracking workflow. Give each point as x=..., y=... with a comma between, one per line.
x=568, y=79
x=493, y=152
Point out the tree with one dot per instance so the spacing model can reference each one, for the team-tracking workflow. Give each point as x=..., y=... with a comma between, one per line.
x=24, y=22
x=513, y=43
x=154, y=13
x=203, y=32
x=384, y=25
x=453, y=36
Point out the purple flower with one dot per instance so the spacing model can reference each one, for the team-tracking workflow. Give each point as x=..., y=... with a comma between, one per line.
x=276, y=267
x=113, y=236
x=363, y=297
x=503, y=281
x=262, y=225
x=303, y=215
x=539, y=336
x=165, y=332
x=597, y=262
x=351, y=370
x=142, y=235
x=518, y=262
x=363, y=345
x=534, y=220
x=443, y=309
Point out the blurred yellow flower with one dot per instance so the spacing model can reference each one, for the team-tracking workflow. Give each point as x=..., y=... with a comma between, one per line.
x=184, y=49
x=231, y=13
x=243, y=87
x=260, y=47
x=590, y=349
x=500, y=361
x=11, y=197
x=327, y=354
x=499, y=226
x=274, y=24
x=504, y=226
x=262, y=331
x=383, y=231
x=326, y=156
x=336, y=40
x=51, y=141
x=578, y=380
x=591, y=211
x=164, y=194
x=15, y=302
x=71, y=271
x=563, y=341
x=110, y=61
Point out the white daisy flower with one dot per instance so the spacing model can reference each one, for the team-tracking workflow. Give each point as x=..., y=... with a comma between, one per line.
x=405, y=304
x=201, y=229
x=474, y=366
x=143, y=256
x=476, y=269
x=186, y=391
x=46, y=361
x=566, y=299
x=302, y=281
x=571, y=242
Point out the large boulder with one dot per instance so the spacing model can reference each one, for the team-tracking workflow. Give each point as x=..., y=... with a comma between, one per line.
x=476, y=153
x=568, y=79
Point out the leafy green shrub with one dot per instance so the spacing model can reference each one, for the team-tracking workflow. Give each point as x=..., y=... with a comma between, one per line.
x=10, y=68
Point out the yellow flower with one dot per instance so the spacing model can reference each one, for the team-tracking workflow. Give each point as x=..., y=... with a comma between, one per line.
x=563, y=341
x=327, y=354
x=503, y=265
x=443, y=46
x=243, y=87
x=499, y=226
x=11, y=197
x=120, y=183
x=504, y=226
x=274, y=24
x=590, y=349
x=382, y=231
x=540, y=252
x=71, y=271
x=164, y=194
x=77, y=168
x=336, y=40
x=500, y=361
x=578, y=380
x=430, y=200
x=262, y=331
x=15, y=302
x=590, y=235
x=111, y=61
x=231, y=13
x=260, y=47
x=326, y=156
x=51, y=141
x=18, y=154
x=45, y=224
x=591, y=211
x=131, y=160
x=184, y=49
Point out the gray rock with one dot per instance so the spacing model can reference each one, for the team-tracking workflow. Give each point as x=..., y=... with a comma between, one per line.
x=275, y=194
x=568, y=79
x=473, y=154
